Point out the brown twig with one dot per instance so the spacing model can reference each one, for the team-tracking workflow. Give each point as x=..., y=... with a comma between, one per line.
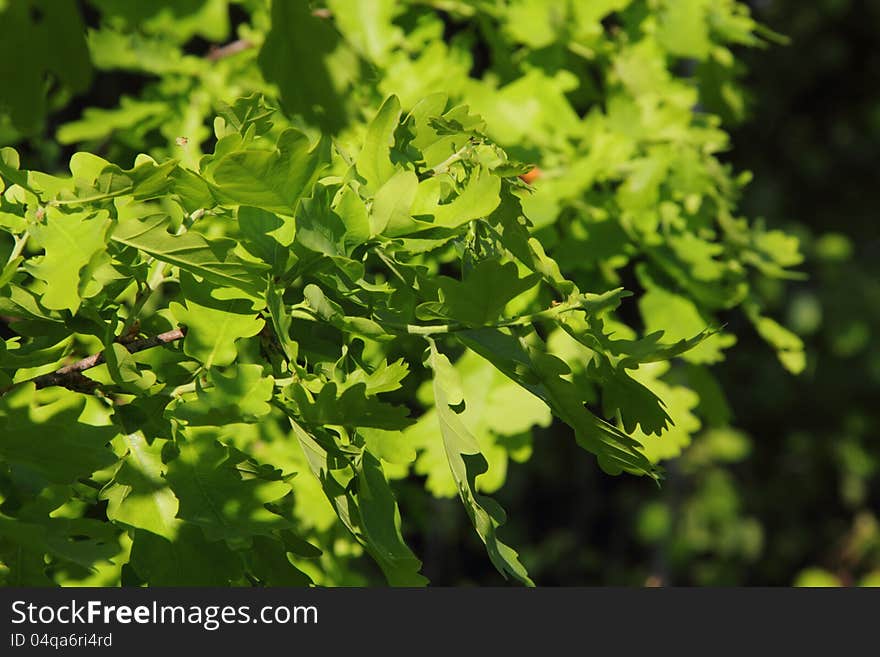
x=70, y=376
x=231, y=48
x=240, y=45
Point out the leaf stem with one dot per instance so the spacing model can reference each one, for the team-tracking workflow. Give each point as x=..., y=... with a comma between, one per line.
x=93, y=199
x=443, y=167
x=156, y=279
x=301, y=311
x=522, y=320
x=19, y=246
x=390, y=264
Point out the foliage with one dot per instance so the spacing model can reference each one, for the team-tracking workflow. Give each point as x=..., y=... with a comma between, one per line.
x=361, y=289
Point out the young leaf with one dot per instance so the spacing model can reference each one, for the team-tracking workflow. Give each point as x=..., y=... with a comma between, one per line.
x=209, y=481
x=138, y=495
x=267, y=236
x=73, y=243
x=543, y=375
x=212, y=332
x=267, y=559
x=380, y=519
x=308, y=87
x=467, y=463
x=239, y=394
x=374, y=161
x=48, y=440
x=377, y=528
x=272, y=180
x=188, y=560
x=192, y=252
x=479, y=299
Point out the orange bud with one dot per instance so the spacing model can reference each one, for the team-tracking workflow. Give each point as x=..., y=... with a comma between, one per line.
x=531, y=175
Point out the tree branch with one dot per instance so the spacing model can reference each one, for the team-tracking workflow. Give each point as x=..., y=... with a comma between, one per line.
x=232, y=48
x=70, y=376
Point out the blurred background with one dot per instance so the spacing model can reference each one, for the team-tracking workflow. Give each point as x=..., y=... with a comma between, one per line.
x=792, y=494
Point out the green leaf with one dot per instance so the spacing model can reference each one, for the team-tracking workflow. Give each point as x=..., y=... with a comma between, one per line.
x=274, y=180
x=391, y=446
x=680, y=319
x=267, y=559
x=178, y=20
x=380, y=520
x=267, y=236
x=350, y=208
x=189, y=560
x=210, y=482
x=626, y=398
x=378, y=527
x=295, y=56
x=789, y=347
x=392, y=204
x=99, y=123
x=318, y=227
x=499, y=413
x=239, y=394
x=774, y=252
x=477, y=200
x=281, y=321
x=124, y=370
x=9, y=169
x=607, y=360
x=332, y=313
x=368, y=26
x=81, y=541
x=684, y=29
x=212, y=332
x=57, y=25
x=350, y=408
x=192, y=252
x=246, y=112
x=374, y=161
x=44, y=436
x=535, y=22
x=97, y=181
x=480, y=298
x=74, y=244
x=543, y=375
x=22, y=551
x=139, y=496
x=680, y=402
x=42, y=352
x=384, y=377
x=145, y=414
x=629, y=353
x=467, y=463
